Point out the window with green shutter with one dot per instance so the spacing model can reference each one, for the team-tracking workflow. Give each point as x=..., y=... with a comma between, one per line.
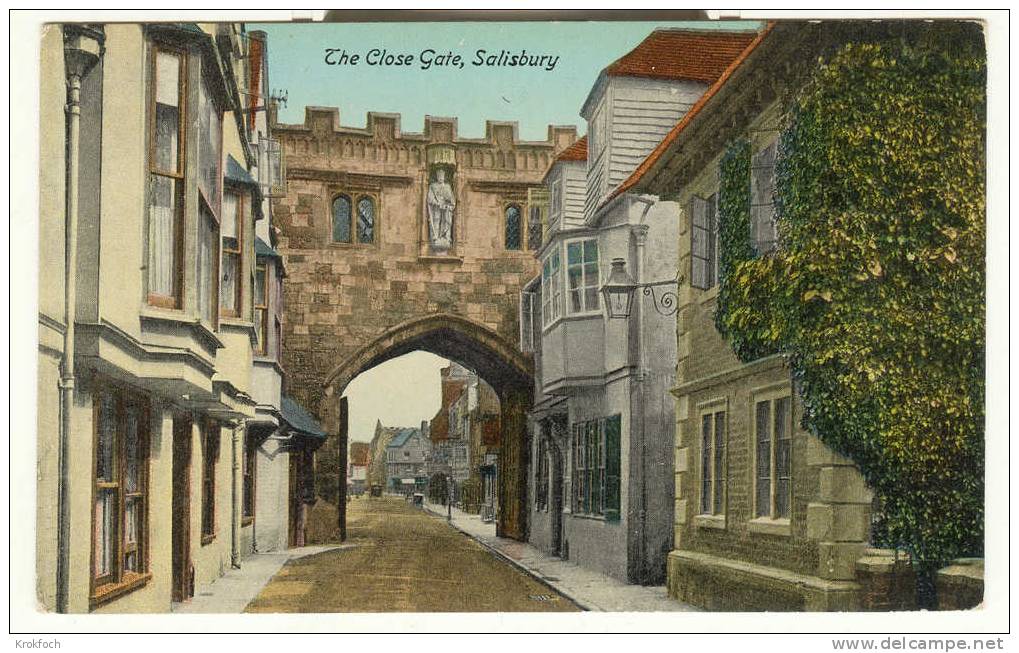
x=596, y=467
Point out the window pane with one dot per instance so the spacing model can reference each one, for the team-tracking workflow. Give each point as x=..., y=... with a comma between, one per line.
x=132, y=450
x=132, y=520
x=209, y=139
x=365, y=220
x=231, y=281
x=574, y=253
x=534, y=228
x=208, y=249
x=719, y=455
x=167, y=112
x=590, y=251
x=706, y=464
x=513, y=227
x=106, y=439
x=164, y=235
x=341, y=219
x=763, y=426
x=783, y=457
x=106, y=531
x=228, y=227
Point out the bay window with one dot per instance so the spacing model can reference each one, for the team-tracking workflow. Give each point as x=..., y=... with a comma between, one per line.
x=120, y=491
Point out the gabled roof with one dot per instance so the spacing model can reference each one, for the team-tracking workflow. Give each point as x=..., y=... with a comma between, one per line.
x=575, y=152
x=696, y=54
x=402, y=436
x=652, y=159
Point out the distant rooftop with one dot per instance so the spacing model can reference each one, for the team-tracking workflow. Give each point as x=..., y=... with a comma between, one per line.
x=699, y=55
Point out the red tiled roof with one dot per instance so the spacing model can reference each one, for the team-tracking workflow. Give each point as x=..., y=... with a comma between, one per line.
x=674, y=133
x=700, y=55
x=575, y=152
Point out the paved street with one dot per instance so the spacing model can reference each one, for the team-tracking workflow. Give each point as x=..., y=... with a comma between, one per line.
x=400, y=558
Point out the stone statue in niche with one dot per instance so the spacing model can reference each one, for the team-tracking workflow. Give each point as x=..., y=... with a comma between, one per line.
x=441, y=204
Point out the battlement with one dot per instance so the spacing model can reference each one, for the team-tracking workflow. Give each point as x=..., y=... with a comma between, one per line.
x=325, y=121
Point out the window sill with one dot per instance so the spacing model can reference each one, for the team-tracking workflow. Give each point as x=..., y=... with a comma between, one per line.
x=709, y=295
x=208, y=539
x=342, y=245
x=572, y=317
x=716, y=522
x=582, y=515
x=110, y=591
x=768, y=526
x=198, y=326
x=440, y=258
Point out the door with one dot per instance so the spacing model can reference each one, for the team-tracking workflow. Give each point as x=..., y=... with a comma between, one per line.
x=182, y=578
x=557, y=501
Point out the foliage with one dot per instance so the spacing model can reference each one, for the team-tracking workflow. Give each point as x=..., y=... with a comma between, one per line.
x=877, y=291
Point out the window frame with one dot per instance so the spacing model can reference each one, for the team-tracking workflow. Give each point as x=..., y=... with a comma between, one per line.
x=583, y=288
x=591, y=469
x=175, y=301
x=714, y=474
x=261, y=323
x=521, y=230
x=119, y=580
x=211, y=432
x=214, y=206
x=755, y=240
x=552, y=288
x=354, y=197
x=238, y=252
x=771, y=398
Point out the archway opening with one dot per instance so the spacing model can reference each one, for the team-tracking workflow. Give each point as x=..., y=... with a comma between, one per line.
x=477, y=443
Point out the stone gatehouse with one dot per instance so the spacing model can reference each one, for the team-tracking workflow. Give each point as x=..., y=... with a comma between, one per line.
x=381, y=228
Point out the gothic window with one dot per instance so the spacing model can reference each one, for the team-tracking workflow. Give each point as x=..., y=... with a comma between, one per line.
x=514, y=227
x=341, y=219
x=365, y=220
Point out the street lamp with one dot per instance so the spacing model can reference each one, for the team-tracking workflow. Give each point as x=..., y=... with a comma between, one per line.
x=618, y=292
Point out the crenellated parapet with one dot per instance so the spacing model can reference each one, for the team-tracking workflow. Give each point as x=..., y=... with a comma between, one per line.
x=383, y=140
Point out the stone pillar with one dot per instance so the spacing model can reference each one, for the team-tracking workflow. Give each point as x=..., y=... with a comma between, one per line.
x=838, y=517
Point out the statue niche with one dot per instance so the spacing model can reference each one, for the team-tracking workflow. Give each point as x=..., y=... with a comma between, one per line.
x=440, y=198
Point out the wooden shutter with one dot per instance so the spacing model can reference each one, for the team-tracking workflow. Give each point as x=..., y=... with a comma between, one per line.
x=612, y=427
x=700, y=234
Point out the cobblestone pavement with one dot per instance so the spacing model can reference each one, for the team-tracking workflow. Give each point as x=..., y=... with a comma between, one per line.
x=400, y=559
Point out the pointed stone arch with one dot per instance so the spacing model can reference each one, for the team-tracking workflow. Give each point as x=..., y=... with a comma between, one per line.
x=473, y=345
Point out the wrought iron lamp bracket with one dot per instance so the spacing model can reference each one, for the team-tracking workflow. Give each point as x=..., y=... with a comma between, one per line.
x=666, y=302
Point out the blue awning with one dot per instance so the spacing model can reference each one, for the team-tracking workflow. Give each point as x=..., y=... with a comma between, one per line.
x=263, y=248
x=300, y=420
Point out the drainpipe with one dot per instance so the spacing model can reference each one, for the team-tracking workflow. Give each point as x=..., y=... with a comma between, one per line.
x=640, y=232
x=83, y=46
x=235, y=521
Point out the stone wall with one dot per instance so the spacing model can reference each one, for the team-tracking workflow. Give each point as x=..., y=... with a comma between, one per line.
x=338, y=296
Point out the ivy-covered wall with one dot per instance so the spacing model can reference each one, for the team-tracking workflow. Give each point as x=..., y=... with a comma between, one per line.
x=876, y=292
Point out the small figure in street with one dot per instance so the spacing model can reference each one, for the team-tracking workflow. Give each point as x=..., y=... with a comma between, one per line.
x=441, y=203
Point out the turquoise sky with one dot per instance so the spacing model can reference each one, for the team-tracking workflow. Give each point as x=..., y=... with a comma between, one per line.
x=533, y=97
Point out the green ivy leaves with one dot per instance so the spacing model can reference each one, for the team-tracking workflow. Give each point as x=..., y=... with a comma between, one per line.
x=877, y=292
